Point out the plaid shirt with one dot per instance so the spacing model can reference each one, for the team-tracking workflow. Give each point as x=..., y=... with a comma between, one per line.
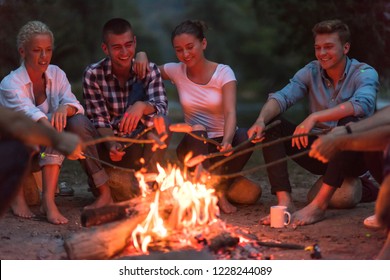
x=106, y=101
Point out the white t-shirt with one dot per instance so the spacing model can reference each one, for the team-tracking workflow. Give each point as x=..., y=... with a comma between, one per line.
x=202, y=104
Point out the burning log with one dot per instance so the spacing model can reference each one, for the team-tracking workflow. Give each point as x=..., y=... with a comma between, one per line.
x=222, y=241
x=102, y=242
x=111, y=213
x=107, y=240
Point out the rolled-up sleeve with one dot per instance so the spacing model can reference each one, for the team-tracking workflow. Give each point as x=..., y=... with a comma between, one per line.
x=295, y=90
x=364, y=98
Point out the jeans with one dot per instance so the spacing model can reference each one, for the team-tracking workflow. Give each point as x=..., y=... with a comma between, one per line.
x=344, y=164
x=81, y=126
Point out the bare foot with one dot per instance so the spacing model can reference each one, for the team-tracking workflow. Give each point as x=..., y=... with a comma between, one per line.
x=20, y=208
x=103, y=199
x=225, y=206
x=53, y=215
x=310, y=214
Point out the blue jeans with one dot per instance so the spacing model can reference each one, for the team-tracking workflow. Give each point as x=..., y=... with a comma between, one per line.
x=83, y=127
x=80, y=125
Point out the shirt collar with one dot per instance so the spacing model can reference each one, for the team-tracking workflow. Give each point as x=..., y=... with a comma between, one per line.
x=107, y=67
x=26, y=78
x=347, y=66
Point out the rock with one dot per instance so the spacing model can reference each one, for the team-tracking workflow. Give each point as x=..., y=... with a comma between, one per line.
x=347, y=196
x=123, y=185
x=243, y=191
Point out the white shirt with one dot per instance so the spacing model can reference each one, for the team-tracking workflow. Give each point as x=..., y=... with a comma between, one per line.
x=16, y=92
x=202, y=104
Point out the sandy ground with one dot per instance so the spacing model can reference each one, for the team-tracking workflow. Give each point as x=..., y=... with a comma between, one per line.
x=341, y=236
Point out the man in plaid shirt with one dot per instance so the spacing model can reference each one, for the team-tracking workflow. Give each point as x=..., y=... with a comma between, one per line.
x=120, y=104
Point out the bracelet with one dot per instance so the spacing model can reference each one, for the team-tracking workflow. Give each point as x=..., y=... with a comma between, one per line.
x=348, y=128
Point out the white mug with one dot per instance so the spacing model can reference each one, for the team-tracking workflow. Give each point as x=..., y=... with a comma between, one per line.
x=280, y=217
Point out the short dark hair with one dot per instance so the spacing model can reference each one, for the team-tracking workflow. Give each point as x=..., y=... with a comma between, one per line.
x=116, y=26
x=193, y=27
x=333, y=26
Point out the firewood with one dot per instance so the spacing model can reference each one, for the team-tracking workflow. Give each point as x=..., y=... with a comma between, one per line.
x=110, y=213
x=102, y=242
x=223, y=241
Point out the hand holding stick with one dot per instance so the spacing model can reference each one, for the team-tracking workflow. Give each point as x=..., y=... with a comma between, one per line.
x=200, y=158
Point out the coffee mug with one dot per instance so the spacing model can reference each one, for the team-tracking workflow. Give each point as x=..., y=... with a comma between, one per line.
x=280, y=217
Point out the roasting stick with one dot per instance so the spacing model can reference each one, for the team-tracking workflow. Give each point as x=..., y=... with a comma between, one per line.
x=251, y=170
x=118, y=139
x=186, y=128
x=262, y=145
x=136, y=137
x=200, y=158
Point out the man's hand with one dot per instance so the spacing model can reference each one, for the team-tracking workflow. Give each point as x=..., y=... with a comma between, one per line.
x=115, y=153
x=58, y=119
x=257, y=129
x=131, y=117
x=325, y=147
x=70, y=145
x=303, y=128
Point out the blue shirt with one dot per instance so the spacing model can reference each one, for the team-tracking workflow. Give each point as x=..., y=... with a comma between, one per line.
x=359, y=85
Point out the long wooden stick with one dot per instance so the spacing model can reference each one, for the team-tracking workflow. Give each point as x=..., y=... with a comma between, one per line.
x=248, y=171
x=258, y=147
x=200, y=158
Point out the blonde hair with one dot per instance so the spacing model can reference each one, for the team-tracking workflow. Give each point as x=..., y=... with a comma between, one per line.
x=30, y=29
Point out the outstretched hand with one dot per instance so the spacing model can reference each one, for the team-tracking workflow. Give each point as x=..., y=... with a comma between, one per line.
x=70, y=145
x=257, y=132
x=303, y=128
x=325, y=147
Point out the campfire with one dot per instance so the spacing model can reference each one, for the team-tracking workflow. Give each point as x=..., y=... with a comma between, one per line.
x=180, y=209
x=172, y=213
x=175, y=211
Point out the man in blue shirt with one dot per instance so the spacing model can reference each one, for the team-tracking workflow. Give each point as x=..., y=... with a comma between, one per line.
x=339, y=90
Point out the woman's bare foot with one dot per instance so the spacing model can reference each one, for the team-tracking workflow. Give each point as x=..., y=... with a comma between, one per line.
x=20, y=208
x=103, y=199
x=310, y=214
x=52, y=213
x=225, y=206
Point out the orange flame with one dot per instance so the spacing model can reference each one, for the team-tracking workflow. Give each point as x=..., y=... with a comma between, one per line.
x=192, y=207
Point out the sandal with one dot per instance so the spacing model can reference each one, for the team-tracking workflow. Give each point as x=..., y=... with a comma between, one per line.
x=64, y=190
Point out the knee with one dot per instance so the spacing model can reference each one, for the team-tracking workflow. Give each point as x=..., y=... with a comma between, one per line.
x=198, y=127
x=80, y=125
